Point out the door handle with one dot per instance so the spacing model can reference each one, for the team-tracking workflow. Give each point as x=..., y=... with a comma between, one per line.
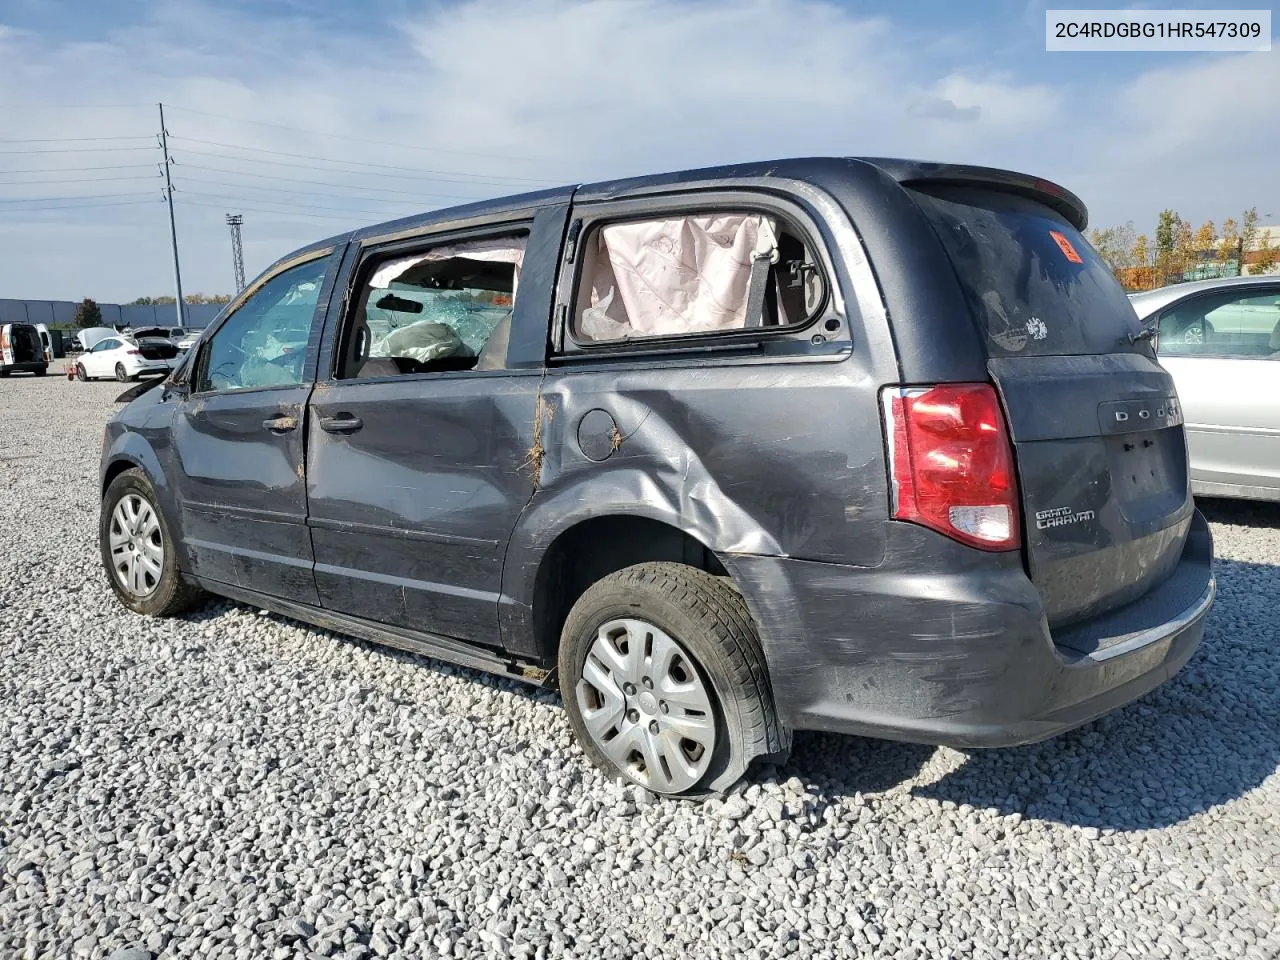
x=342, y=424
x=280, y=424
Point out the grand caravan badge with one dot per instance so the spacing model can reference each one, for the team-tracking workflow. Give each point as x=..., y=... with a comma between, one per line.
x=1061, y=517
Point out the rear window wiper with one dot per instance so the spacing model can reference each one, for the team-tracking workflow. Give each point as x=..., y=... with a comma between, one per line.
x=1146, y=333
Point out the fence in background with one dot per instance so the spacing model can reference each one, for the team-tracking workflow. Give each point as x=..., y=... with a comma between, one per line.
x=61, y=313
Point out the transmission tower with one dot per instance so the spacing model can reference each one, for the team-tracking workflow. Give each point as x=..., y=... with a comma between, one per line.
x=234, y=220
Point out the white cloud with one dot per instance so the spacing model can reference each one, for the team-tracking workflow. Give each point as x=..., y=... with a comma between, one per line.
x=554, y=92
x=1200, y=137
x=1002, y=102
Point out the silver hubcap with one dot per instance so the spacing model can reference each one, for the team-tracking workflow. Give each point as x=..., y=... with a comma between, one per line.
x=646, y=707
x=137, y=546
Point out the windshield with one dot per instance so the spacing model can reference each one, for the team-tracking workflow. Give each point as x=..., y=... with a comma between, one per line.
x=1034, y=284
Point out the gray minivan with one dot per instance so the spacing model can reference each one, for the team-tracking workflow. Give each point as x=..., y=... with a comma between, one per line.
x=861, y=445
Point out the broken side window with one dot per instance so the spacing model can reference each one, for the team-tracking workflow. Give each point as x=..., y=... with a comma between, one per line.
x=444, y=308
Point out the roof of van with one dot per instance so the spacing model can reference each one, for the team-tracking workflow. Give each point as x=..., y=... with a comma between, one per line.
x=817, y=170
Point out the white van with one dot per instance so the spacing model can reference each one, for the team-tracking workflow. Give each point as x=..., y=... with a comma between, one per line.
x=25, y=346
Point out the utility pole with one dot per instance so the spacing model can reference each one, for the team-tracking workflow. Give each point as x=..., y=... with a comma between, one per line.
x=234, y=220
x=173, y=229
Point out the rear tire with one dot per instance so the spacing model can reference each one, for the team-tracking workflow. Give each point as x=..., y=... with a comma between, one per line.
x=641, y=651
x=121, y=374
x=41, y=371
x=5, y=373
x=80, y=374
x=134, y=535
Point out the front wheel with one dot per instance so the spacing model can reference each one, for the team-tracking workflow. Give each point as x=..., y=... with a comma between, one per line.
x=80, y=373
x=664, y=680
x=137, y=550
x=121, y=373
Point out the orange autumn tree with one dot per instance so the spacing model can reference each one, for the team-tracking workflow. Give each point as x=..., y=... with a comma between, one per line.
x=1177, y=250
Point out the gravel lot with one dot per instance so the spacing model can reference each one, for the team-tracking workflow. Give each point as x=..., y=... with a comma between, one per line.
x=235, y=784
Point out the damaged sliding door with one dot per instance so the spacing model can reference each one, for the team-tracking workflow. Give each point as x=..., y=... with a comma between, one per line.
x=419, y=442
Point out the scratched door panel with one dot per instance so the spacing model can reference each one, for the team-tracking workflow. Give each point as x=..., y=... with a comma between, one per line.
x=242, y=493
x=410, y=513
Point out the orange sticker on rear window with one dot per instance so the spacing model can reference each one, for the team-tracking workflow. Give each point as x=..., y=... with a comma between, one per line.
x=1065, y=246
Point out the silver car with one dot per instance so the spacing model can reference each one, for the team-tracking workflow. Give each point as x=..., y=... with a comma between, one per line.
x=1220, y=339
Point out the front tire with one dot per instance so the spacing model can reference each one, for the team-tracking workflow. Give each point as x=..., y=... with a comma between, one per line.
x=665, y=682
x=138, y=551
x=121, y=373
x=81, y=375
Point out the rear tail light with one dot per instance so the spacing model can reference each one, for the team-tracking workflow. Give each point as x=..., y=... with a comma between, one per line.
x=134, y=353
x=951, y=463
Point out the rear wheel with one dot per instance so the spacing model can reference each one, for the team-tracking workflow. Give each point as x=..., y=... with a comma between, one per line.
x=80, y=373
x=664, y=680
x=121, y=373
x=5, y=373
x=137, y=550
x=41, y=371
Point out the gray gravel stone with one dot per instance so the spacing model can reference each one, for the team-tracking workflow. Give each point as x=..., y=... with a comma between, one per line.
x=232, y=785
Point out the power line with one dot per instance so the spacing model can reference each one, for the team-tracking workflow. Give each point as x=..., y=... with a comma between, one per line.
x=99, y=196
x=71, y=139
x=304, y=166
x=21, y=105
x=83, y=206
x=114, y=166
x=81, y=150
x=73, y=180
x=312, y=193
x=322, y=183
x=309, y=206
x=360, y=163
x=275, y=213
x=346, y=137
x=201, y=182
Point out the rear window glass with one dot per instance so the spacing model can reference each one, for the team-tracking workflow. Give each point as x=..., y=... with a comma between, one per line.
x=1034, y=284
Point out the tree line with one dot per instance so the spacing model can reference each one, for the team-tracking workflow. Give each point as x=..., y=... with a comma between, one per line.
x=1179, y=251
x=186, y=298
x=89, y=314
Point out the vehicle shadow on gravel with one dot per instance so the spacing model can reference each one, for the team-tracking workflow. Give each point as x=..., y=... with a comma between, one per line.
x=1206, y=737
x=1243, y=513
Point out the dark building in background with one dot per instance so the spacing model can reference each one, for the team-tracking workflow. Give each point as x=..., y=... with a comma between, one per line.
x=60, y=313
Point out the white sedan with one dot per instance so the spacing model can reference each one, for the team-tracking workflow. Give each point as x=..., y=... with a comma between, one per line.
x=125, y=359
x=1220, y=340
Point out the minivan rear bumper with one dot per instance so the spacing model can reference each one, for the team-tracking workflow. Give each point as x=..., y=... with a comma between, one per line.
x=965, y=657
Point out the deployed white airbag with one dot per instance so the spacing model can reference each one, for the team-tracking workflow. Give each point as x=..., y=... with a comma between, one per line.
x=673, y=276
x=423, y=341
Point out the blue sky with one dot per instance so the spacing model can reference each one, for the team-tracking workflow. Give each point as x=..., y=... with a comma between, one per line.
x=308, y=117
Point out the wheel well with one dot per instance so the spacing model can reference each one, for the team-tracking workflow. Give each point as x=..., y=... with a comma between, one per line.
x=596, y=548
x=113, y=471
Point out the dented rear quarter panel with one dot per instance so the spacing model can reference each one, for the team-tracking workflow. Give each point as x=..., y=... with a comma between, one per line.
x=747, y=454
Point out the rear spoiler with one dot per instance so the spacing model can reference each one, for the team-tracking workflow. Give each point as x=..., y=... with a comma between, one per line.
x=1052, y=195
